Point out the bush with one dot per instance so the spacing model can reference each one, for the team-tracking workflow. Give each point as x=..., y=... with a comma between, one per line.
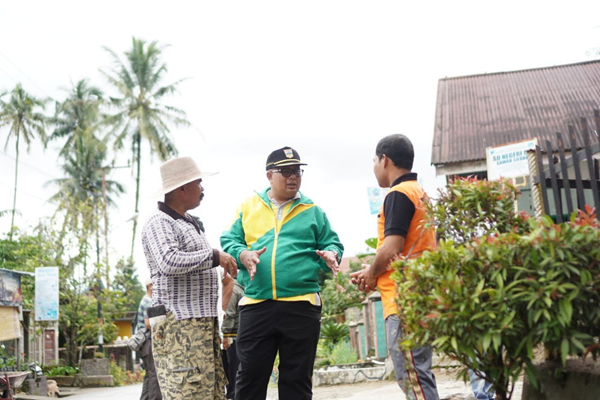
x=118, y=374
x=340, y=294
x=60, y=371
x=500, y=284
x=333, y=332
x=133, y=377
x=343, y=353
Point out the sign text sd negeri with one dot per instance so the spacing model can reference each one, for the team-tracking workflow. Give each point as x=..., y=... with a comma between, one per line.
x=509, y=157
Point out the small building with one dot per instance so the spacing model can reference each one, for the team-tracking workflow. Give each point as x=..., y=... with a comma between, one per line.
x=13, y=328
x=124, y=324
x=487, y=110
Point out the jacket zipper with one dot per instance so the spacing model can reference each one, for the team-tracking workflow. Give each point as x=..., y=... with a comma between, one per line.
x=274, y=252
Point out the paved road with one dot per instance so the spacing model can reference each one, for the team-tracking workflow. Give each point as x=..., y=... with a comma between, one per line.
x=380, y=390
x=130, y=392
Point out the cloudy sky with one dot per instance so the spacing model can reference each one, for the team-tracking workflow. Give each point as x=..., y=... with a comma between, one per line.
x=329, y=78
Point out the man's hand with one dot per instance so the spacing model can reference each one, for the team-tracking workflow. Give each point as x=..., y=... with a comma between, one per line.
x=330, y=258
x=364, y=280
x=226, y=343
x=228, y=263
x=250, y=258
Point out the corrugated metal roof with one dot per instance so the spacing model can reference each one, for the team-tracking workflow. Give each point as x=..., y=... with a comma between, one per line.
x=479, y=111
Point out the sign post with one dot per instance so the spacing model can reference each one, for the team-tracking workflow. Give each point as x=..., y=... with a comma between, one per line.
x=46, y=294
x=509, y=160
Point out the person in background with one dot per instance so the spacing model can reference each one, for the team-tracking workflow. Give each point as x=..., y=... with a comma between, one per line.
x=229, y=329
x=482, y=389
x=150, y=388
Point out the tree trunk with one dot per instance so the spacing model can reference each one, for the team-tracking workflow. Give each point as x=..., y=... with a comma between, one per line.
x=137, y=191
x=12, y=219
x=105, y=210
x=501, y=388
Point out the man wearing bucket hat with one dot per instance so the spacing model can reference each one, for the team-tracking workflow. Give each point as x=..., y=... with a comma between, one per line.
x=150, y=388
x=185, y=331
x=280, y=240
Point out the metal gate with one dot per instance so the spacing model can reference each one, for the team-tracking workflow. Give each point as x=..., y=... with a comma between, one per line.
x=567, y=183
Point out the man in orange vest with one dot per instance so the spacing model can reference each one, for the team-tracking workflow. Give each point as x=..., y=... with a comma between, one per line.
x=400, y=233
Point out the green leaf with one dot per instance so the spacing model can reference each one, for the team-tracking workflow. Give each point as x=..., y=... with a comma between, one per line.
x=499, y=281
x=566, y=308
x=577, y=344
x=532, y=375
x=440, y=341
x=454, y=343
x=371, y=242
x=497, y=339
x=546, y=314
x=478, y=315
x=479, y=287
x=507, y=320
x=487, y=340
x=564, y=351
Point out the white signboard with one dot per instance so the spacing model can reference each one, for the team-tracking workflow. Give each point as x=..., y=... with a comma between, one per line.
x=509, y=161
x=46, y=294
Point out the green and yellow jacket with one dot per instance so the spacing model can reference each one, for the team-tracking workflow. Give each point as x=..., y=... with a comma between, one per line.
x=290, y=265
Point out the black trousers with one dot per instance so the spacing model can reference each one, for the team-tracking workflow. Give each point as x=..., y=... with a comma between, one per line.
x=150, y=388
x=231, y=367
x=290, y=328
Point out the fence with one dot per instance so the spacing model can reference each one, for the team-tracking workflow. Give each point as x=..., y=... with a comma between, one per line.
x=565, y=177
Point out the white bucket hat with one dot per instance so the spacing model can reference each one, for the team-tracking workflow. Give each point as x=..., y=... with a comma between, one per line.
x=177, y=172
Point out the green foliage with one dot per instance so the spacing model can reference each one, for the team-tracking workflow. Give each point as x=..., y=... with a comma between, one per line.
x=61, y=370
x=26, y=252
x=78, y=115
x=339, y=294
x=372, y=243
x=141, y=113
x=334, y=332
x=78, y=319
x=7, y=362
x=334, y=347
x=500, y=284
x=21, y=114
x=343, y=353
x=127, y=290
x=118, y=374
x=469, y=208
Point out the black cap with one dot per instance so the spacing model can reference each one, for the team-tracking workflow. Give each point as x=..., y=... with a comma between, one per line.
x=283, y=157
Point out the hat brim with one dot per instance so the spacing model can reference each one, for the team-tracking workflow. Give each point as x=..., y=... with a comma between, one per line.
x=284, y=164
x=164, y=190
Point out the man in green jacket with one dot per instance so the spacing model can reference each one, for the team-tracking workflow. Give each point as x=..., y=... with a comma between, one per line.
x=280, y=240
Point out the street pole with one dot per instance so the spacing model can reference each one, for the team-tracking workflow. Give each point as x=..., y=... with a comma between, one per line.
x=105, y=201
x=106, y=260
x=100, y=335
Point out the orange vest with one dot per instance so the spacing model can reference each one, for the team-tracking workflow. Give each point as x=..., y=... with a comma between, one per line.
x=421, y=240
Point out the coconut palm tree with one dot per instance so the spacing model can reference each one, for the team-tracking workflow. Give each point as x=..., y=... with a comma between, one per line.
x=142, y=115
x=85, y=192
x=80, y=193
x=21, y=113
x=79, y=112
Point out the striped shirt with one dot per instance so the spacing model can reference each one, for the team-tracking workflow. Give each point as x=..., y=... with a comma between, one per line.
x=181, y=264
x=142, y=314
